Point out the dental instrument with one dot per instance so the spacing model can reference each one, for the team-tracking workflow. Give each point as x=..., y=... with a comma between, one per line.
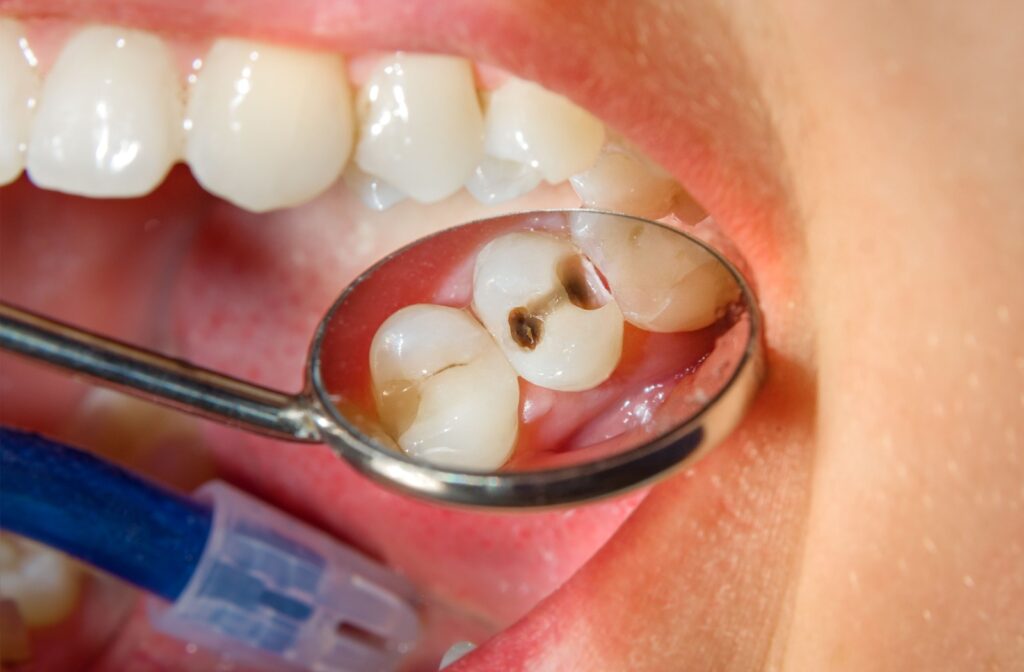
x=715, y=406
x=237, y=575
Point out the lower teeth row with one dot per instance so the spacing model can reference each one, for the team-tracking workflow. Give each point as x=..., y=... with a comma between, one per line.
x=446, y=379
x=269, y=127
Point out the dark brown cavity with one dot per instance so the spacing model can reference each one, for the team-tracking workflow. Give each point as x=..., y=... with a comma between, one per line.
x=582, y=282
x=526, y=327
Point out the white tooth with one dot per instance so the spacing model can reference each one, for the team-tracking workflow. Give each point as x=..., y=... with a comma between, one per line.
x=443, y=389
x=374, y=192
x=19, y=89
x=42, y=582
x=624, y=181
x=268, y=127
x=530, y=125
x=548, y=311
x=662, y=281
x=497, y=180
x=420, y=125
x=108, y=123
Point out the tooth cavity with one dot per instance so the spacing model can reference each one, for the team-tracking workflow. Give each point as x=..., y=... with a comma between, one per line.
x=374, y=192
x=421, y=129
x=42, y=582
x=268, y=127
x=443, y=389
x=108, y=122
x=662, y=281
x=19, y=89
x=623, y=180
x=496, y=180
x=548, y=310
x=532, y=126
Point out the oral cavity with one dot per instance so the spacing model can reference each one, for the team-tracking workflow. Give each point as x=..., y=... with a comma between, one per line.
x=268, y=127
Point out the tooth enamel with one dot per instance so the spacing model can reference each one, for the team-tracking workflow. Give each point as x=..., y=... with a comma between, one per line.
x=624, y=181
x=108, y=123
x=19, y=89
x=548, y=311
x=374, y=192
x=421, y=129
x=530, y=125
x=268, y=127
x=42, y=582
x=662, y=281
x=496, y=180
x=443, y=389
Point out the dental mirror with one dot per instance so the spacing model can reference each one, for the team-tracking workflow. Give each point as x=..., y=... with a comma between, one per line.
x=531, y=360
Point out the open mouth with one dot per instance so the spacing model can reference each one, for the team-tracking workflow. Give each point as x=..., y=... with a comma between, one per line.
x=313, y=149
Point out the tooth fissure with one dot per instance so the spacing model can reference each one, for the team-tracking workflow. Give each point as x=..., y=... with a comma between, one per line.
x=526, y=327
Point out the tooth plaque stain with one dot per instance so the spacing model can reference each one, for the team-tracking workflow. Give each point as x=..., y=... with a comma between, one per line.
x=526, y=327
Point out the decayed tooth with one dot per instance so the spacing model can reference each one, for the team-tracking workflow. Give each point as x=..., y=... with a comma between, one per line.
x=374, y=192
x=444, y=391
x=624, y=181
x=108, y=122
x=661, y=280
x=530, y=125
x=421, y=129
x=19, y=89
x=549, y=311
x=268, y=127
x=42, y=582
x=498, y=180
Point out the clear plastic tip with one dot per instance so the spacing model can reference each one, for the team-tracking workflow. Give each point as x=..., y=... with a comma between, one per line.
x=272, y=592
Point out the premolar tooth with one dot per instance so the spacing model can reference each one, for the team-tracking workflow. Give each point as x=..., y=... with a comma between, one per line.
x=42, y=582
x=19, y=89
x=268, y=127
x=374, y=192
x=538, y=128
x=421, y=129
x=624, y=181
x=548, y=310
x=108, y=123
x=444, y=390
x=497, y=180
x=662, y=281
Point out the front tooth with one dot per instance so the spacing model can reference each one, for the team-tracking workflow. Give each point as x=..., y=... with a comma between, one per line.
x=624, y=181
x=42, y=582
x=497, y=180
x=548, y=310
x=530, y=125
x=109, y=118
x=662, y=281
x=374, y=192
x=19, y=89
x=420, y=125
x=268, y=127
x=444, y=391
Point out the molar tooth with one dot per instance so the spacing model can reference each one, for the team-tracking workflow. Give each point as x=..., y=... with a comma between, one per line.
x=268, y=127
x=541, y=129
x=420, y=125
x=623, y=180
x=497, y=180
x=108, y=123
x=42, y=582
x=662, y=281
x=548, y=310
x=443, y=389
x=19, y=90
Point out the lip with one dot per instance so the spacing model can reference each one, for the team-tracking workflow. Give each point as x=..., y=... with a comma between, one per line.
x=722, y=152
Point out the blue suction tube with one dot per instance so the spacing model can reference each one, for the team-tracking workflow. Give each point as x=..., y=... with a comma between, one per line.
x=100, y=513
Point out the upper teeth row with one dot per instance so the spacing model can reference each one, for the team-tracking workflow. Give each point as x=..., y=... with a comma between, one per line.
x=268, y=127
x=446, y=385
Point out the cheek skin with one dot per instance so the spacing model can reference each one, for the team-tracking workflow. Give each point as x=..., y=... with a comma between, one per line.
x=905, y=143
